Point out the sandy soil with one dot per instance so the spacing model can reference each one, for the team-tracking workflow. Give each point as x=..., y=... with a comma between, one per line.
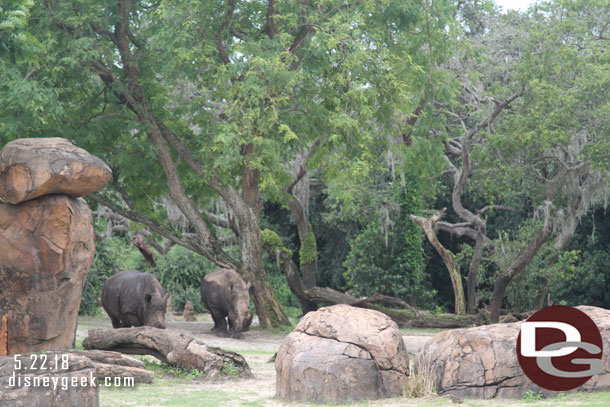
x=257, y=347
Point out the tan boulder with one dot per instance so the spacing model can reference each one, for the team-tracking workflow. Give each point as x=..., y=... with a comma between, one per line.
x=481, y=362
x=46, y=249
x=30, y=168
x=342, y=353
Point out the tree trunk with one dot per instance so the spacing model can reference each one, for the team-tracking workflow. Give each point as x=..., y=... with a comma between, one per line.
x=296, y=285
x=477, y=256
x=299, y=213
x=174, y=348
x=504, y=278
x=454, y=270
x=269, y=310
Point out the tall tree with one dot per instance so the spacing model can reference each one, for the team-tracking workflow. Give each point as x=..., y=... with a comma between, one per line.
x=208, y=103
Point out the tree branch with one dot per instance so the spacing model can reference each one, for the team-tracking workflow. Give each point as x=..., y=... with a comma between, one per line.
x=222, y=52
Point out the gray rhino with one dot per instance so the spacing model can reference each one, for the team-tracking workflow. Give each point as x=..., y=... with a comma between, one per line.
x=132, y=298
x=225, y=294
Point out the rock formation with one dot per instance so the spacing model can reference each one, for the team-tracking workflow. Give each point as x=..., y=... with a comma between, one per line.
x=342, y=353
x=481, y=362
x=46, y=243
x=34, y=167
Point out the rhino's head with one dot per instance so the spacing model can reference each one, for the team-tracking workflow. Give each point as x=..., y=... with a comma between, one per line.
x=238, y=308
x=155, y=306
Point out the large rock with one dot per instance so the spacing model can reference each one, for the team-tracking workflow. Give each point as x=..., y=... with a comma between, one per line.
x=48, y=385
x=34, y=167
x=342, y=353
x=46, y=249
x=481, y=362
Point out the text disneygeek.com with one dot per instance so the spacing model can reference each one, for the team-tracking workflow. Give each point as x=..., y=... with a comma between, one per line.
x=37, y=371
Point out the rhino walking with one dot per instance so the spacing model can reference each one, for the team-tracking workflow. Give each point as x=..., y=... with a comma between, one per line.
x=225, y=294
x=133, y=298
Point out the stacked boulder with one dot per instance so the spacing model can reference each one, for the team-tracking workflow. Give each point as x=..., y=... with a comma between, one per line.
x=46, y=240
x=342, y=353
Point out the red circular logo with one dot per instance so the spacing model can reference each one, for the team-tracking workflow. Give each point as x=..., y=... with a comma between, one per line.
x=559, y=348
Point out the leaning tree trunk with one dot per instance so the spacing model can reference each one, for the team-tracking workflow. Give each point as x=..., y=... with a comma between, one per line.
x=477, y=256
x=504, y=278
x=269, y=310
x=296, y=285
x=308, y=253
x=454, y=270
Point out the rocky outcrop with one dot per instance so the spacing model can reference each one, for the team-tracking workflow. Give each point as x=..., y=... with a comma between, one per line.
x=46, y=249
x=481, y=362
x=46, y=240
x=30, y=168
x=70, y=384
x=342, y=353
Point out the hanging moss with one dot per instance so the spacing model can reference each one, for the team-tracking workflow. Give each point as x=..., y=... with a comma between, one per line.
x=309, y=249
x=273, y=242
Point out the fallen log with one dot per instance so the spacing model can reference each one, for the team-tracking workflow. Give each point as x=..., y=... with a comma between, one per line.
x=115, y=364
x=171, y=347
x=405, y=317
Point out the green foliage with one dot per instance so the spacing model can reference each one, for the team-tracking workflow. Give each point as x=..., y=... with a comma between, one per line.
x=16, y=43
x=112, y=255
x=229, y=369
x=308, y=253
x=162, y=369
x=391, y=261
x=532, y=396
x=180, y=272
x=273, y=241
x=282, y=291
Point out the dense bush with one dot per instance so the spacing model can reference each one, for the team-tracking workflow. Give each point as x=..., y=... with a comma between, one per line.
x=112, y=255
x=180, y=272
x=388, y=257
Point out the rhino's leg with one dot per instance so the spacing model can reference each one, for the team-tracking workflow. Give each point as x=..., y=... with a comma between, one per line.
x=220, y=322
x=116, y=323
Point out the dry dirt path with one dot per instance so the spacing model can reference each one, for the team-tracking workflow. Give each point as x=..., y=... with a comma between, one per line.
x=257, y=347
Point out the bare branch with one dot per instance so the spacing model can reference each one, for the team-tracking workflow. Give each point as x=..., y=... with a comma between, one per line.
x=150, y=223
x=494, y=114
x=494, y=207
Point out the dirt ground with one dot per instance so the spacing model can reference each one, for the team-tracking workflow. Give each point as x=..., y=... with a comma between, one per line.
x=257, y=347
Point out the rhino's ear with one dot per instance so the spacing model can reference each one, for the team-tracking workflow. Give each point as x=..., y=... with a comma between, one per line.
x=166, y=296
x=147, y=297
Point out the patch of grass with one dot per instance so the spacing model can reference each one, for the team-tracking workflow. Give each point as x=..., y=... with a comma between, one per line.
x=164, y=370
x=292, y=312
x=229, y=369
x=532, y=396
x=166, y=394
x=78, y=344
x=421, y=381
